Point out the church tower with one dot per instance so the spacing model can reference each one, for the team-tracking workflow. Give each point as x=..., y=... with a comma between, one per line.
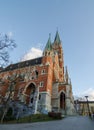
x=62, y=98
x=57, y=48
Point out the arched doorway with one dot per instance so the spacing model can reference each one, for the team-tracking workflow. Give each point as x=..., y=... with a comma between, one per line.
x=62, y=100
x=30, y=92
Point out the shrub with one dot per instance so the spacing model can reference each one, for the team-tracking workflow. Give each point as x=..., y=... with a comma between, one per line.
x=34, y=118
x=55, y=115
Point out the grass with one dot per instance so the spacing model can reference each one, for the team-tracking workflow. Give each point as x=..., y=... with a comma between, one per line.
x=32, y=118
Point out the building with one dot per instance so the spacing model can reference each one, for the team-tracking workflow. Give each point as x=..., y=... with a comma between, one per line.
x=39, y=85
x=84, y=107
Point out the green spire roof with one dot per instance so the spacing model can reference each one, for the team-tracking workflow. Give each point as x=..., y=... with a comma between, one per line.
x=57, y=38
x=48, y=45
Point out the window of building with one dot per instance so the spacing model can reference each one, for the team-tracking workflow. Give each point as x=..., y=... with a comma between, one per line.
x=49, y=53
x=43, y=71
x=45, y=53
x=36, y=72
x=32, y=100
x=41, y=84
x=32, y=78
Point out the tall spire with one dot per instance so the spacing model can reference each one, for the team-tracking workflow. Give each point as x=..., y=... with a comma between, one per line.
x=66, y=75
x=48, y=45
x=57, y=38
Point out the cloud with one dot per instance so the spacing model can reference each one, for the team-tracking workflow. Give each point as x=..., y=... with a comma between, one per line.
x=10, y=34
x=31, y=54
x=89, y=92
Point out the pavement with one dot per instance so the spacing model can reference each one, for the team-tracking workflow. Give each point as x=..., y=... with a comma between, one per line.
x=68, y=123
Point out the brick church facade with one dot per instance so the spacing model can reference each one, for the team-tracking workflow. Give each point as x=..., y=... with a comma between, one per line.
x=39, y=85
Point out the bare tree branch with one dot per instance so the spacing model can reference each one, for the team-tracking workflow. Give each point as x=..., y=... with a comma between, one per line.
x=6, y=43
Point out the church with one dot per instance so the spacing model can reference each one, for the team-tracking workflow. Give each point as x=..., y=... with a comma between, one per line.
x=38, y=85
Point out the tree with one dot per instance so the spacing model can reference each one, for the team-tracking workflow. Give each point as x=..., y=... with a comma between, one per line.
x=11, y=82
x=6, y=43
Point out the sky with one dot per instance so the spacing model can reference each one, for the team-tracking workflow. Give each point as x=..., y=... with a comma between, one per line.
x=29, y=22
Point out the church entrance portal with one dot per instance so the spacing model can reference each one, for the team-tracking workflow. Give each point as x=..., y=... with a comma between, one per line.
x=30, y=92
x=62, y=101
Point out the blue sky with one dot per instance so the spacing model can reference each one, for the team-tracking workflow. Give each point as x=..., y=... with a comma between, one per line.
x=31, y=21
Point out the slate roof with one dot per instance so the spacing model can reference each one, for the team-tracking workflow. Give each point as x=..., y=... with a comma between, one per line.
x=23, y=64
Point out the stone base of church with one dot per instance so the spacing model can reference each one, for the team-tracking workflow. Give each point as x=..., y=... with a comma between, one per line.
x=44, y=104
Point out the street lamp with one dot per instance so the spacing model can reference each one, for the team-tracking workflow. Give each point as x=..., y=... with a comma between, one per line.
x=88, y=105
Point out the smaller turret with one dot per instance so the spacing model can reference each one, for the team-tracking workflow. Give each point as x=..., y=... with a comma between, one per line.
x=48, y=47
x=66, y=75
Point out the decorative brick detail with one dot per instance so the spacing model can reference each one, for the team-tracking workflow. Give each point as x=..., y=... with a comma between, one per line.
x=60, y=88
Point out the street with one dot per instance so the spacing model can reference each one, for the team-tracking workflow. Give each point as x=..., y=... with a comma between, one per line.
x=68, y=123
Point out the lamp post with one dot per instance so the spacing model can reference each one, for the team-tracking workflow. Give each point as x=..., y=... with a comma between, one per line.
x=88, y=105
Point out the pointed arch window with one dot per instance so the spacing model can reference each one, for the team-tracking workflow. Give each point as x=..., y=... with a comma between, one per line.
x=43, y=71
x=36, y=73
x=41, y=84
